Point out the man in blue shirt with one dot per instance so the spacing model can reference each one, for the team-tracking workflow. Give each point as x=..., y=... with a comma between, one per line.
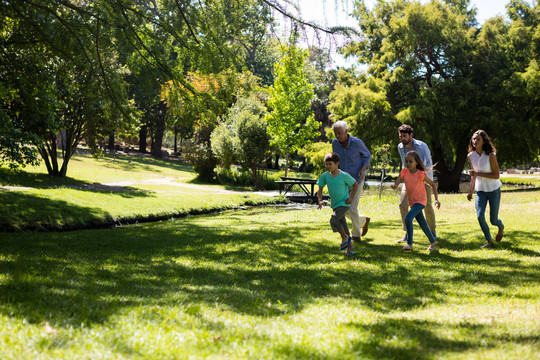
x=354, y=159
x=408, y=144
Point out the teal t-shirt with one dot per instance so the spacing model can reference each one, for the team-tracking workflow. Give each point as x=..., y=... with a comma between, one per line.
x=338, y=187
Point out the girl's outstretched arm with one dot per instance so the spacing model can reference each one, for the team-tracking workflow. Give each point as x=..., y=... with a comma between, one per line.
x=434, y=187
x=396, y=183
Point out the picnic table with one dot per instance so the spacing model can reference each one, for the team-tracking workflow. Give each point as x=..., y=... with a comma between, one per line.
x=306, y=185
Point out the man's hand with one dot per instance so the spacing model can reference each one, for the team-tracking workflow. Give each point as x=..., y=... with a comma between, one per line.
x=348, y=201
x=469, y=196
x=361, y=175
x=320, y=205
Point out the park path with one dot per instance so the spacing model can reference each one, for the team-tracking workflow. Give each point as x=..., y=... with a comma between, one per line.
x=170, y=181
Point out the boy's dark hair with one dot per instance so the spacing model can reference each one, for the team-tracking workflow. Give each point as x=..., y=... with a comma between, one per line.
x=406, y=129
x=331, y=157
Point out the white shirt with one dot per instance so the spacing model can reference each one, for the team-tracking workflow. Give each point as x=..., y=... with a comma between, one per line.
x=480, y=163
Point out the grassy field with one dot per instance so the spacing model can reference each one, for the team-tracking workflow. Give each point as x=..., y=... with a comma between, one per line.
x=270, y=283
x=115, y=189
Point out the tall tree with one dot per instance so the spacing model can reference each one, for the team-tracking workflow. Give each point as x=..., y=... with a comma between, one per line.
x=444, y=75
x=291, y=123
x=54, y=94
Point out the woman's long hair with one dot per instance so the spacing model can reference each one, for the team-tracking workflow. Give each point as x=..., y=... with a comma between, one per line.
x=419, y=164
x=487, y=147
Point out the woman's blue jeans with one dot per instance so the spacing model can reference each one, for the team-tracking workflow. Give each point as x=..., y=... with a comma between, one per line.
x=416, y=213
x=481, y=201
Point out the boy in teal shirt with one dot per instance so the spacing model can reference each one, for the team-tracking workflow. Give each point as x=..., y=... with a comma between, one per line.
x=338, y=183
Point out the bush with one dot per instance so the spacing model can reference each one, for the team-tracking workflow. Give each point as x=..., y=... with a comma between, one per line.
x=242, y=138
x=236, y=177
x=201, y=157
x=314, y=154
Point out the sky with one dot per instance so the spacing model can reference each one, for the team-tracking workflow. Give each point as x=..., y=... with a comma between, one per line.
x=323, y=12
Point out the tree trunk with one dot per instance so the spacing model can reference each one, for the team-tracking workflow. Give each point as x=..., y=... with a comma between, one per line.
x=175, y=151
x=286, y=163
x=110, y=145
x=142, y=138
x=449, y=179
x=158, y=130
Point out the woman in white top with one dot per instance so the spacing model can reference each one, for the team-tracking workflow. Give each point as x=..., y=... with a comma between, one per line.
x=485, y=181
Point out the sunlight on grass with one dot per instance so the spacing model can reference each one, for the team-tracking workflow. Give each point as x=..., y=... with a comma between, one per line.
x=272, y=283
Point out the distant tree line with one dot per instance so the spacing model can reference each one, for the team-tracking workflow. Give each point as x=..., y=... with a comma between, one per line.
x=432, y=65
x=215, y=75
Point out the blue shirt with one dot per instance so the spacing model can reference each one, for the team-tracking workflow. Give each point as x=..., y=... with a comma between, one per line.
x=352, y=157
x=423, y=151
x=338, y=187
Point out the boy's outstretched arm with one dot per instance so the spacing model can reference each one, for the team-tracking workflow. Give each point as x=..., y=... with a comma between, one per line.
x=434, y=188
x=352, y=193
x=319, y=197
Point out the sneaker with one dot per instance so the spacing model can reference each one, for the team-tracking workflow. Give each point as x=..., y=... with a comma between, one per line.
x=403, y=239
x=407, y=248
x=434, y=246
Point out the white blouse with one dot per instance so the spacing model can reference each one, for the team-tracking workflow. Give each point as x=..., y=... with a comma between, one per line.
x=480, y=163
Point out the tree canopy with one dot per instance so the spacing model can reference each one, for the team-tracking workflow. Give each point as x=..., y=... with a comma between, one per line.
x=431, y=65
x=291, y=122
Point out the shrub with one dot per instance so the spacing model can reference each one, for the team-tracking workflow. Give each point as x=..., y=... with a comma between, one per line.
x=237, y=177
x=314, y=154
x=201, y=157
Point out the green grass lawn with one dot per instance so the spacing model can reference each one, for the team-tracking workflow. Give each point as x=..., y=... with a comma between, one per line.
x=270, y=283
x=115, y=189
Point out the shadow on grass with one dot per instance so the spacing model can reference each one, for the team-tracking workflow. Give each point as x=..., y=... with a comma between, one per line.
x=416, y=339
x=89, y=276
x=116, y=161
x=22, y=211
x=35, y=180
x=407, y=339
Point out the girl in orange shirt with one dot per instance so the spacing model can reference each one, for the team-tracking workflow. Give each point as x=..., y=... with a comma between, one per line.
x=414, y=176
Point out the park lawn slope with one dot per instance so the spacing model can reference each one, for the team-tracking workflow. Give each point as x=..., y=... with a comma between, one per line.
x=110, y=191
x=267, y=283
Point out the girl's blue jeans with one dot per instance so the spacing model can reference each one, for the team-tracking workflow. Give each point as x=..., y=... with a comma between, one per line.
x=481, y=201
x=416, y=213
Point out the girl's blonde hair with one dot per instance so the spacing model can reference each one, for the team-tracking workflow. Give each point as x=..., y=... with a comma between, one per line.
x=419, y=164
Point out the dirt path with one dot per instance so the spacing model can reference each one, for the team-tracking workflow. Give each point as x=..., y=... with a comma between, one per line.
x=168, y=181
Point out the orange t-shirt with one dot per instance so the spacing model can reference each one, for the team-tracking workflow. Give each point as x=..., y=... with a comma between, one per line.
x=414, y=185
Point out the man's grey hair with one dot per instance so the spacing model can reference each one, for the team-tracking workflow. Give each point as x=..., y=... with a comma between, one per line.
x=340, y=124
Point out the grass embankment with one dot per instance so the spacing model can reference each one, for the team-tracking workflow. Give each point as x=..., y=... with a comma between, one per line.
x=136, y=189
x=272, y=284
x=533, y=182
